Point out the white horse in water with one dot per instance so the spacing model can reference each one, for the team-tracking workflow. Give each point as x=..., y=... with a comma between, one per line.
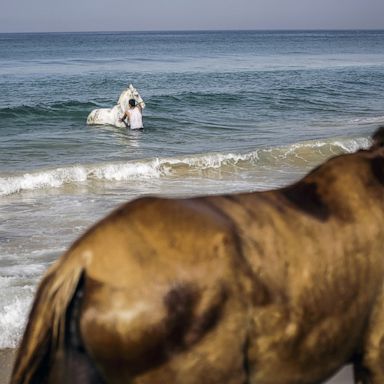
x=111, y=116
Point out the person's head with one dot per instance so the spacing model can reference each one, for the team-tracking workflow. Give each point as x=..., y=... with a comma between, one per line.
x=132, y=103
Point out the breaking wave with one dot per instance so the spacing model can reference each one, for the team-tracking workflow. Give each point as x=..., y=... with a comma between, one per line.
x=304, y=154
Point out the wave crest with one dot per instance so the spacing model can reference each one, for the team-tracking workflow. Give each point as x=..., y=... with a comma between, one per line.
x=305, y=155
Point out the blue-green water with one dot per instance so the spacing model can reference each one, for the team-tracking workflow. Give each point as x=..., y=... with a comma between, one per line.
x=226, y=111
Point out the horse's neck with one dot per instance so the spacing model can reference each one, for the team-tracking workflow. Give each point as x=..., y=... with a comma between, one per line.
x=123, y=99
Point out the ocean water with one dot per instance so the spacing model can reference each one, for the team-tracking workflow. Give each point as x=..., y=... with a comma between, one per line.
x=226, y=112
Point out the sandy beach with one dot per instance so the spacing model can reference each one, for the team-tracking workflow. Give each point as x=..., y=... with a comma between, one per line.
x=7, y=356
x=6, y=361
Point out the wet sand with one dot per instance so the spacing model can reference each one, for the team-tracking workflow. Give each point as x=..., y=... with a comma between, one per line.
x=345, y=376
x=6, y=361
x=7, y=356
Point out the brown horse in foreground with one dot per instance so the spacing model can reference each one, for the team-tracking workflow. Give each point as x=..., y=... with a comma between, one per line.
x=277, y=287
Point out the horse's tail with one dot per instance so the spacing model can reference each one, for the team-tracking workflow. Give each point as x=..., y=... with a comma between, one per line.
x=44, y=334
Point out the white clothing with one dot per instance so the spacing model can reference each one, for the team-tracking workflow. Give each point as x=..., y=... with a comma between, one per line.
x=135, y=118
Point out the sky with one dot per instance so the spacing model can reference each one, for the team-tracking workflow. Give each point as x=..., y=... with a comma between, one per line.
x=128, y=15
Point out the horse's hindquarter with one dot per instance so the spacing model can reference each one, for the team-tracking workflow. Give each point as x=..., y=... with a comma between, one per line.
x=163, y=295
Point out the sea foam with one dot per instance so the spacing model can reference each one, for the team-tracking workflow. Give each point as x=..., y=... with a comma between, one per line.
x=304, y=154
x=13, y=317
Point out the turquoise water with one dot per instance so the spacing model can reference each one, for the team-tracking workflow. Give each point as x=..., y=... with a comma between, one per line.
x=226, y=111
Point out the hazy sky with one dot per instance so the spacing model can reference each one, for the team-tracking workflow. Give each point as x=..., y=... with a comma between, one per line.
x=120, y=15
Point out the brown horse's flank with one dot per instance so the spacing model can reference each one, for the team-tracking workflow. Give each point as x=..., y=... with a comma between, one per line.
x=184, y=328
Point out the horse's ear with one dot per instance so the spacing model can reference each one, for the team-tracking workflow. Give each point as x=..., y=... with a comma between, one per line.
x=378, y=138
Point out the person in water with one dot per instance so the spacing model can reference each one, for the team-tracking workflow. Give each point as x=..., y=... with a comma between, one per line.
x=134, y=114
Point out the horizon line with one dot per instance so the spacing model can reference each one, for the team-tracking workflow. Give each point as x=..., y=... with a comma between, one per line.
x=206, y=30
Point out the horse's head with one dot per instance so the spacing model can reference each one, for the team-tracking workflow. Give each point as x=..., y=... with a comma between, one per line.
x=130, y=93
